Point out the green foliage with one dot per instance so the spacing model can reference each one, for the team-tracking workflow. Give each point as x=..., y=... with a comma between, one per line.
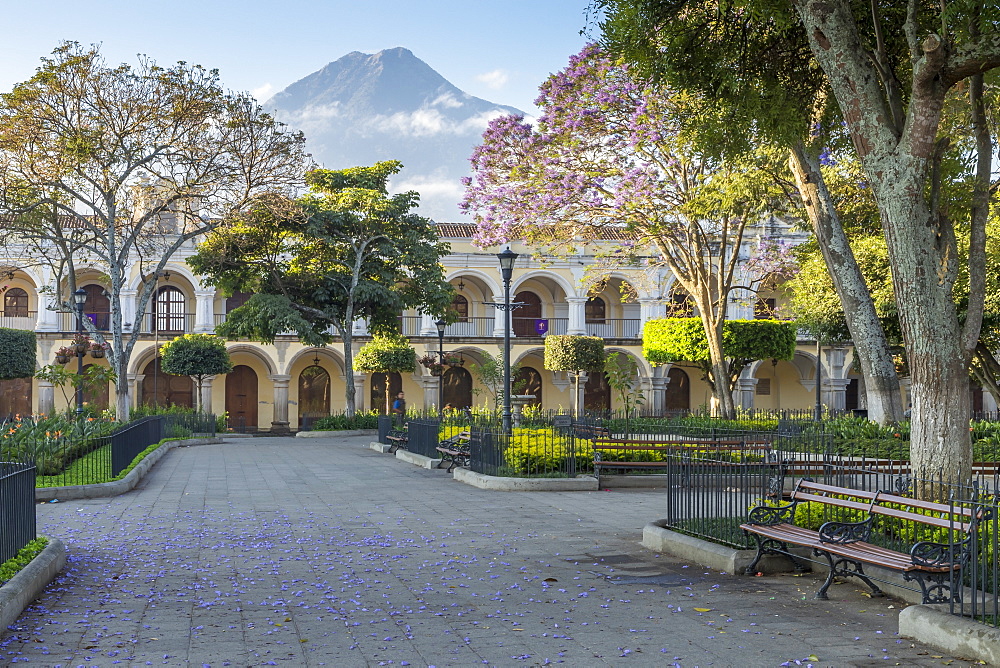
x=344, y=422
x=489, y=373
x=54, y=442
x=574, y=353
x=196, y=355
x=11, y=567
x=386, y=353
x=17, y=353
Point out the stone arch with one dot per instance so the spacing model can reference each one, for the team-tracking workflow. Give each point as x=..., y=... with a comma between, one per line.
x=488, y=280
x=325, y=353
x=567, y=286
x=254, y=351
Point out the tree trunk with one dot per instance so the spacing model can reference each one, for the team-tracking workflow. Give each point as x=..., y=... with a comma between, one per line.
x=885, y=403
x=349, y=393
x=719, y=370
x=123, y=405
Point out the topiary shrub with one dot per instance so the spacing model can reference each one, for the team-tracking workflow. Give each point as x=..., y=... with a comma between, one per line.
x=386, y=353
x=564, y=352
x=18, y=350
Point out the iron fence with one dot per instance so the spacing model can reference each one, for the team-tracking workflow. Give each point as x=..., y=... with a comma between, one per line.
x=17, y=507
x=526, y=452
x=981, y=575
x=422, y=436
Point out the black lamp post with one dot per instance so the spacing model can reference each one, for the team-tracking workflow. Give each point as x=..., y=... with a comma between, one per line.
x=818, y=409
x=507, y=259
x=441, y=324
x=79, y=299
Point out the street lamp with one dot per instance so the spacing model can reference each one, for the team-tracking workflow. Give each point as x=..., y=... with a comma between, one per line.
x=441, y=324
x=79, y=299
x=507, y=259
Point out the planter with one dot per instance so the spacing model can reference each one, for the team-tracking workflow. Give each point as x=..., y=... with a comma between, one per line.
x=97, y=352
x=81, y=347
x=61, y=359
x=436, y=372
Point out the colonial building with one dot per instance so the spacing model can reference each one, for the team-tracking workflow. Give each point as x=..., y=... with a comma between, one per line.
x=287, y=383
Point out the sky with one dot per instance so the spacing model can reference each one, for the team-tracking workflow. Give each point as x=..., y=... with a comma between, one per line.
x=499, y=51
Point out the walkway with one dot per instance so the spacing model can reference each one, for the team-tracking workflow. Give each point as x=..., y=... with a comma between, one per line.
x=313, y=552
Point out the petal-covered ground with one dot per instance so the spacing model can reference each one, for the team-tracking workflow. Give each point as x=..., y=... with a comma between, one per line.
x=282, y=551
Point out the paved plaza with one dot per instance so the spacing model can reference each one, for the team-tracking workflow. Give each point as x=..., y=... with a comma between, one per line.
x=319, y=552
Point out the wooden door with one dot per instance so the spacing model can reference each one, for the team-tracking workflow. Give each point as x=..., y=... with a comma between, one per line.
x=678, y=391
x=97, y=398
x=165, y=389
x=597, y=392
x=378, y=390
x=97, y=307
x=241, y=398
x=457, y=389
x=523, y=318
x=314, y=395
x=15, y=397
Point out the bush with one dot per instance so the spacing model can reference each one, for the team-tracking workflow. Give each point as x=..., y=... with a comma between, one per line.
x=341, y=422
x=565, y=352
x=11, y=567
x=17, y=353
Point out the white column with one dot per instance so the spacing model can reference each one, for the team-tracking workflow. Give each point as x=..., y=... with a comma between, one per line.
x=46, y=398
x=746, y=389
x=430, y=385
x=657, y=402
x=204, y=314
x=206, y=394
x=427, y=326
x=834, y=393
x=577, y=315
x=649, y=309
x=127, y=298
x=578, y=405
x=135, y=381
x=279, y=425
x=497, y=317
x=360, y=327
x=360, y=395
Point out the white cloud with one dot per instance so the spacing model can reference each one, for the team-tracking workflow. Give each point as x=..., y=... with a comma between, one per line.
x=435, y=188
x=312, y=118
x=496, y=79
x=427, y=122
x=263, y=92
x=446, y=100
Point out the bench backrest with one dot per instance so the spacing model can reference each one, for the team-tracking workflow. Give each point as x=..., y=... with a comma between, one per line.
x=886, y=505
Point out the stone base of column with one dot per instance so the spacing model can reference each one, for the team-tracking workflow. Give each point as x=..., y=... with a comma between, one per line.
x=280, y=428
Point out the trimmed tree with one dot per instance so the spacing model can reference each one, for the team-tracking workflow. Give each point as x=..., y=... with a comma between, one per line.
x=198, y=356
x=669, y=340
x=566, y=352
x=386, y=353
x=17, y=353
x=622, y=372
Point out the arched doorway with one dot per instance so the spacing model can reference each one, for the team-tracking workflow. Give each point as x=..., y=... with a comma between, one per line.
x=15, y=303
x=97, y=307
x=241, y=398
x=15, y=397
x=529, y=381
x=165, y=389
x=169, y=310
x=597, y=392
x=524, y=318
x=378, y=390
x=97, y=398
x=314, y=395
x=457, y=387
x=678, y=397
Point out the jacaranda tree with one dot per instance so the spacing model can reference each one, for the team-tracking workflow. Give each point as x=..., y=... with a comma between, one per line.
x=607, y=153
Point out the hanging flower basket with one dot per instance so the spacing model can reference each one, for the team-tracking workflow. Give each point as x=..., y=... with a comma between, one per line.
x=81, y=347
x=437, y=370
x=62, y=359
x=453, y=361
x=97, y=352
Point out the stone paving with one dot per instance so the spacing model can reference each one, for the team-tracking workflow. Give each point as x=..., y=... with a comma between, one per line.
x=318, y=552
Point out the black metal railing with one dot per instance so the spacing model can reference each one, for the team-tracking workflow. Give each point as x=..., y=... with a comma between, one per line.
x=981, y=575
x=133, y=438
x=384, y=428
x=17, y=508
x=422, y=436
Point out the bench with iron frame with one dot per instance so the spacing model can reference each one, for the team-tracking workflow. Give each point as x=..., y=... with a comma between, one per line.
x=844, y=545
x=454, y=450
x=684, y=448
x=397, y=439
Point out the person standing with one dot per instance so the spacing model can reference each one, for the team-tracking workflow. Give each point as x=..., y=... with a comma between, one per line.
x=399, y=409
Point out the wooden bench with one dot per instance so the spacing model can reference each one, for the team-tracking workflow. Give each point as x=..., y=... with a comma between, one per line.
x=454, y=450
x=671, y=448
x=397, y=439
x=845, y=544
x=589, y=432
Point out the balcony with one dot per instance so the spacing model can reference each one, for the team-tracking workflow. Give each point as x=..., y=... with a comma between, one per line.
x=167, y=324
x=18, y=319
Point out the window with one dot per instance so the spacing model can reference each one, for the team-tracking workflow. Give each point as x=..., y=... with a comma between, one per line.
x=680, y=306
x=595, y=310
x=763, y=387
x=460, y=307
x=764, y=309
x=237, y=300
x=15, y=303
x=169, y=310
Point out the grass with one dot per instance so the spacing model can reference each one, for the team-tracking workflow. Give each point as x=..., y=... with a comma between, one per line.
x=11, y=567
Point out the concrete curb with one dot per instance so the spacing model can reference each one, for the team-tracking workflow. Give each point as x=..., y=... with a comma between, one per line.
x=954, y=635
x=417, y=460
x=117, y=487
x=29, y=582
x=728, y=560
x=378, y=447
x=634, y=481
x=497, y=484
x=334, y=434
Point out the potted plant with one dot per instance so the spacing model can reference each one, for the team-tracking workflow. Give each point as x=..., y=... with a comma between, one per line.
x=97, y=349
x=430, y=362
x=81, y=342
x=454, y=360
x=63, y=354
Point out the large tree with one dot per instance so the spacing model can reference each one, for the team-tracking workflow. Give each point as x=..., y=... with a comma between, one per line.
x=346, y=251
x=608, y=152
x=890, y=67
x=116, y=168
